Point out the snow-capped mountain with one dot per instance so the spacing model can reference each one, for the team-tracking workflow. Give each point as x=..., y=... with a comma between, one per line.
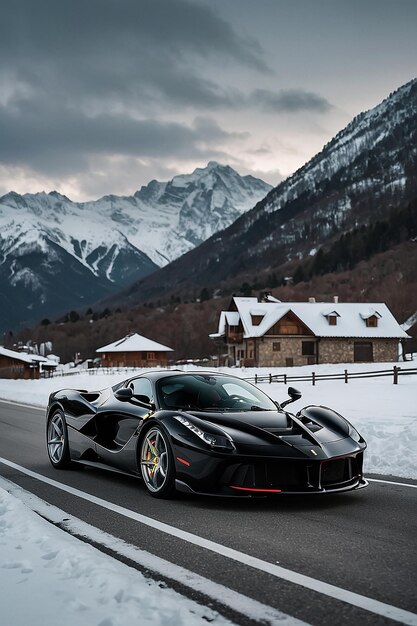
x=165, y=220
x=56, y=254
x=365, y=171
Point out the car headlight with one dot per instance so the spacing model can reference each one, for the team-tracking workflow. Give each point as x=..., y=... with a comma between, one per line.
x=214, y=440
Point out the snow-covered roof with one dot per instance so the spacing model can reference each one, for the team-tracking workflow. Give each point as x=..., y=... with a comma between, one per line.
x=232, y=318
x=350, y=318
x=24, y=357
x=369, y=312
x=330, y=313
x=135, y=343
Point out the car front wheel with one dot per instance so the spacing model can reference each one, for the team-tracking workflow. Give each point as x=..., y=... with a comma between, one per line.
x=57, y=441
x=157, y=464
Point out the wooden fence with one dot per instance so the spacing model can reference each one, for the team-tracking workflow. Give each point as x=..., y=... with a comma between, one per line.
x=393, y=373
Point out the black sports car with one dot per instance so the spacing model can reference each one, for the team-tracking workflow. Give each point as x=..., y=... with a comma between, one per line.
x=204, y=433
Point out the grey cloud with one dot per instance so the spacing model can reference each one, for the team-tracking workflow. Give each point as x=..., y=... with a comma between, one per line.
x=210, y=131
x=83, y=81
x=55, y=140
x=128, y=27
x=262, y=150
x=289, y=101
x=135, y=51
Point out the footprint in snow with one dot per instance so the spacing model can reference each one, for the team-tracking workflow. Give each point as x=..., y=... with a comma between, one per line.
x=11, y=565
x=50, y=556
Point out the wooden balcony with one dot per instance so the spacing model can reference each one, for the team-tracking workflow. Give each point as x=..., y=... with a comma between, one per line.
x=234, y=338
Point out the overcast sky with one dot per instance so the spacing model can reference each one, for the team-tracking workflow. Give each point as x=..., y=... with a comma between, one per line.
x=101, y=96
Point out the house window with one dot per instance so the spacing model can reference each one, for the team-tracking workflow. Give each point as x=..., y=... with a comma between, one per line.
x=276, y=346
x=308, y=348
x=256, y=319
x=332, y=320
x=363, y=352
x=150, y=356
x=372, y=321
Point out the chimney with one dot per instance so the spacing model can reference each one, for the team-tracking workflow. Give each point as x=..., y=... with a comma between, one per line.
x=312, y=300
x=336, y=299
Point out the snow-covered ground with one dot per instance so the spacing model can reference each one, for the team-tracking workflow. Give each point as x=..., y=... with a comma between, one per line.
x=49, y=577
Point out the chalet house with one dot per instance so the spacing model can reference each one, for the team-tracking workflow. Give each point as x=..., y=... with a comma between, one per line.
x=134, y=351
x=274, y=333
x=23, y=365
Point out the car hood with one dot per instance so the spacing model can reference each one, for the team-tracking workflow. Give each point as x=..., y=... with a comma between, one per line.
x=270, y=428
x=268, y=420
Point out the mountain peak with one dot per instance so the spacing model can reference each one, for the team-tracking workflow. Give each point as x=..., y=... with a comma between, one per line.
x=212, y=165
x=60, y=196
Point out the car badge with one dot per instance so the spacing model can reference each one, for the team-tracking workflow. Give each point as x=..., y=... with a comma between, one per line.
x=313, y=452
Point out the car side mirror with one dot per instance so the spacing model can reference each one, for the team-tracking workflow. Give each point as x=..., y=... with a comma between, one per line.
x=294, y=395
x=123, y=394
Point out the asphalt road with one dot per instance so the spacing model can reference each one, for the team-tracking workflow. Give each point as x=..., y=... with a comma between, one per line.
x=363, y=542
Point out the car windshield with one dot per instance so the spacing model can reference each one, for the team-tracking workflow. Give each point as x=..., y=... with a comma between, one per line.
x=211, y=392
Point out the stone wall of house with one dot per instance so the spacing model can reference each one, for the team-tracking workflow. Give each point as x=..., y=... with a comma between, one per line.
x=341, y=350
x=328, y=350
x=335, y=350
x=386, y=350
x=289, y=353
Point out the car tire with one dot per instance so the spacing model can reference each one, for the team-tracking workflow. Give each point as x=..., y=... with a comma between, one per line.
x=157, y=463
x=57, y=442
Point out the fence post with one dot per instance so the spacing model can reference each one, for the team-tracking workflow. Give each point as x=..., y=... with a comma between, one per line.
x=285, y=379
x=346, y=376
x=313, y=378
x=256, y=379
x=270, y=378
x=396, y=370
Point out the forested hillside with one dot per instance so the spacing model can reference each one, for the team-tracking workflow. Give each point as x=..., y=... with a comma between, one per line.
x=388, y=276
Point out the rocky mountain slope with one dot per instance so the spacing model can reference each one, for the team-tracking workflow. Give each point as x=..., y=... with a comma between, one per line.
x=365, y=171
x=56, y=254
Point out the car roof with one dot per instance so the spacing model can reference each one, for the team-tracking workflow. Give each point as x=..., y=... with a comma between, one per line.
x=157, y=375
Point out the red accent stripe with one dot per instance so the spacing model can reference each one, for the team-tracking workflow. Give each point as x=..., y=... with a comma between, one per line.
x=183, y=461
x=253, y=489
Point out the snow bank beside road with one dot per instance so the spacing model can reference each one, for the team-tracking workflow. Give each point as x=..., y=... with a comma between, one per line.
x=384, y=413
x=54, y=578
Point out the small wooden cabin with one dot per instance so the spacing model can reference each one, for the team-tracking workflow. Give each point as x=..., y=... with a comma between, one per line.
x=134, y=351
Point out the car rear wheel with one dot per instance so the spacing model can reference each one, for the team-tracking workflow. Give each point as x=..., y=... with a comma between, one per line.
x=57, y=441
x=157, y=464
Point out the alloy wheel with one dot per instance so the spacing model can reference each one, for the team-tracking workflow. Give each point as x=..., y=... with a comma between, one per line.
x=57, y=441
x=155, y=460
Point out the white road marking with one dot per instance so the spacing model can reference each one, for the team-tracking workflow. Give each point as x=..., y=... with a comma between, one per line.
x=227, y=597
x=390, y=482
x=338, y=593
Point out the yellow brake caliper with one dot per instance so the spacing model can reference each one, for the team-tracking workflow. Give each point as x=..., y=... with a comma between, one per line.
x=155, y=458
